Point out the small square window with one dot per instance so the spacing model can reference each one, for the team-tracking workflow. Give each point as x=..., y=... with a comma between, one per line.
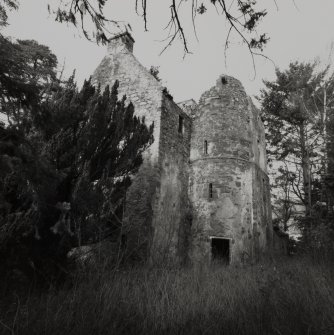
x=180, y=124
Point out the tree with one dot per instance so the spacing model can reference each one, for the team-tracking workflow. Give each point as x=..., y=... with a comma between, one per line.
x=297, y=111
x=27, y=179
x=283, y=203
x=106, y=142
x=323, y=100
x=242, y=17
x=27, y=73
x=28, y=185
x=294, y=123
x=66, y=160
x=4, y=7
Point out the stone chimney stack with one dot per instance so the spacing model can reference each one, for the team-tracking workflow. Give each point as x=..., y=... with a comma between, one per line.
x=122, y=41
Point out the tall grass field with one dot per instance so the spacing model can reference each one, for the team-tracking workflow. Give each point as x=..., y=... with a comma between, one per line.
x=290, y=296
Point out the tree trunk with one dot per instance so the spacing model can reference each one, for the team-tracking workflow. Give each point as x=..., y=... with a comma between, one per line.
x=306, y=168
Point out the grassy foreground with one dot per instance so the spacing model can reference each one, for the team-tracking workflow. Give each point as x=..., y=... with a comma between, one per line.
x=294, y=296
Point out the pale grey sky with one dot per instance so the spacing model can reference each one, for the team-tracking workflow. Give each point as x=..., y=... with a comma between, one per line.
x=299, y=30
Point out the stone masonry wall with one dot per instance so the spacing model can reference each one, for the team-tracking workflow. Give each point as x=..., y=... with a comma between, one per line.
x=145, y=92
x=170, y=213
x=171, y=209
x=226, y=121
x=262, y=228
x=262, y=225
x=228, y=213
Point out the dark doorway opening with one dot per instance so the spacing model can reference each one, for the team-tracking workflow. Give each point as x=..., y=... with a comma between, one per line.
x=220, y=249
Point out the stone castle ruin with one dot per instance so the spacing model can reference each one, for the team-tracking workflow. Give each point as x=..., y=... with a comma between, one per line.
x=202, y=192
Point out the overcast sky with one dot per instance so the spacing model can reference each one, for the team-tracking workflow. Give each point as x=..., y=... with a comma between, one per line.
x=299, y=30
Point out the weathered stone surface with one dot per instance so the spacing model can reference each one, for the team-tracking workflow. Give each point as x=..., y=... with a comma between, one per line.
x=172, y=211
x=145, y=92
x=156, y=201
x=239, y=206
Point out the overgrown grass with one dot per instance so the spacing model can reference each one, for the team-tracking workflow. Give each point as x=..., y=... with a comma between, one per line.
x=289, y=297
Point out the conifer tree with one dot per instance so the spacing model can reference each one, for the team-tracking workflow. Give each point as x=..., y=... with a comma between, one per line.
x=64, y=172
x=27, y=74
x=294, y=124
x=297, y=111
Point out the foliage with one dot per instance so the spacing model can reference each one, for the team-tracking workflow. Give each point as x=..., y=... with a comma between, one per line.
x=297, y=111
x=74, y=12
x=106, y=141
x=27, y=74
x=284, y=202
x=4, y=7
x=294, y=125
x=287, y=105
x=67, y=158
x=27, y=180
x=154, y=70
x=28, y=187
x=317, y=232
x=241, y=16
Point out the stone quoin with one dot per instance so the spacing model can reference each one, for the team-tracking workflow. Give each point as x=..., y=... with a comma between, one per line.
x=202, y=192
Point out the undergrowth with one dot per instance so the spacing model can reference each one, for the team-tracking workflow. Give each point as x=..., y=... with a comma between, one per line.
x=292, y=296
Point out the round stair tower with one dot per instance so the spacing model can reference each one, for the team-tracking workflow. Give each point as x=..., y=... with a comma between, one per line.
x=229, y=189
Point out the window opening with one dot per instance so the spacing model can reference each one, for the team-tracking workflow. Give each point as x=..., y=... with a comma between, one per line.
x=210, y=191
x=220, y=249
x=180, y=124
x=205, y=147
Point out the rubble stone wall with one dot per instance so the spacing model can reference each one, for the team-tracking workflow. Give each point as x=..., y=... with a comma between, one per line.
x=145, y=92
x=262, y=225
x=227, y=124
x=171, y=210
x=207, y=179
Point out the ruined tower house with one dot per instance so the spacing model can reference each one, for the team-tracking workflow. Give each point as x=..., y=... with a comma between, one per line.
x=202, y=192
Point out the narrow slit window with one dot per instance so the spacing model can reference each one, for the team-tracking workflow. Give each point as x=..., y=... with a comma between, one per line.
x=180, y=124
x=210, y=191
x=205, y=147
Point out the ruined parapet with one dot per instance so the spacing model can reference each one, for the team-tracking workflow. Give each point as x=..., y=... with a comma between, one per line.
x=189, y=107
x=229, y=220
